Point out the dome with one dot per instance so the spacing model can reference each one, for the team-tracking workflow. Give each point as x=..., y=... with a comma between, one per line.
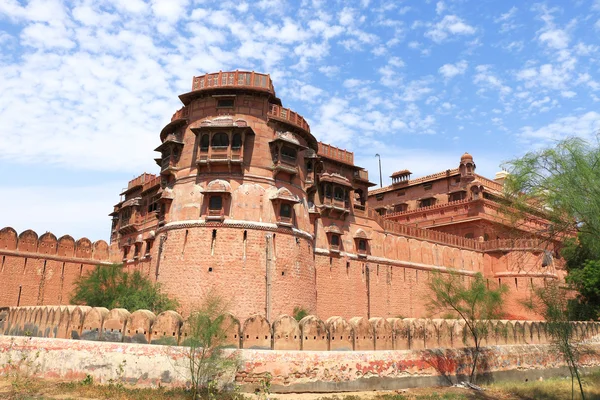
x=466, y=157
x=218, y=186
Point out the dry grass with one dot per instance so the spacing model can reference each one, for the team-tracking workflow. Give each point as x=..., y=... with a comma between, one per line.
x=551, y=389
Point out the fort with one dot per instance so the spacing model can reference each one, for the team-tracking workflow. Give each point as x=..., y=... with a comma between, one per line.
x=249, y=202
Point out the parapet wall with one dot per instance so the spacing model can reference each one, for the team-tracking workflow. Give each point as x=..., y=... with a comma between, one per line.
x=36, y=270
x=284, y=333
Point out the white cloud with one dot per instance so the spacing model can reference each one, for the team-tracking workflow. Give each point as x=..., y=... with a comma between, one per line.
x=440, y=7
x=487, y=80
x=329, y=70
x=449, y=71
x=506, y=20
x=585, y=126
x=448, y=26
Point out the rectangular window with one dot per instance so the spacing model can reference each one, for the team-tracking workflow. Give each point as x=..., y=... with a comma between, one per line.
x=427, y=186
x=225, y=103
x=400, y=192
x=379, y=196
x=426, y=202
x=215, y=203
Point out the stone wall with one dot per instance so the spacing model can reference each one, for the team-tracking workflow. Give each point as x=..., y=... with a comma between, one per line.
x=38, y=270
x=284, y=333
x=140, y=365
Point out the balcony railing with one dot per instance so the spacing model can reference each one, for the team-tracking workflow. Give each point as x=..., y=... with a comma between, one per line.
x=220, y=154
x=167, y=162
x=361, y=174
x=287, y=115
x=183, y=112
x=244, y=79
x=151, y=183
x=335, y=153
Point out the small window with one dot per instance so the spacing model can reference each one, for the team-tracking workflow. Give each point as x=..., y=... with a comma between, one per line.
x=470, y=236
x=338, y=193
x=285, y=210
x=362, y=245
x=220, y=139
x=204, y=142
x=400, y=207
x=400, y=192
x=236, y=141
x=225, y=103
x=427, y=186
x=379, y=196
x=381, y=211
x=215, y=203
x=426, y=202
x=328, y=191
x=457, y=196
x=288, y=153
x=335, y=240
x=309, y=166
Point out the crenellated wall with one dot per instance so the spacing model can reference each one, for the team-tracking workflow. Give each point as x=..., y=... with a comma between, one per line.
x=41, y=269
x=283, y=333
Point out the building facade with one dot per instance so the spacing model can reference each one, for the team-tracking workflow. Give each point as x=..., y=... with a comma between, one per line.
x=249, y=203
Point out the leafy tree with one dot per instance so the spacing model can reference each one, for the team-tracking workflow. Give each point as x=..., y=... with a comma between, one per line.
x=299, y=313
x=206, y=341
x=469, y=299
x=111, y=287
x=552, y=303
x=561, y=184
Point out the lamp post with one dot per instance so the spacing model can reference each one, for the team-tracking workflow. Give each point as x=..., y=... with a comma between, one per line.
x=380, y=178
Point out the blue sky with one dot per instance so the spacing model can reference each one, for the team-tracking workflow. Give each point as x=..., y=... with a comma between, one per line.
x=87, y=85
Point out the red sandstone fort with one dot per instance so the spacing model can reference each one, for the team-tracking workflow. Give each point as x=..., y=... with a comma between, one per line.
x=249, y=202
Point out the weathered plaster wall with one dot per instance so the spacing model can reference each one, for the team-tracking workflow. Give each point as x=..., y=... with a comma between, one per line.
x=291, y=371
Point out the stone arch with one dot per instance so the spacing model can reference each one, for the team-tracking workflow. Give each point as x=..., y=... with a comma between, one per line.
x=77, y=321
x=63, y=322
x=93, y=323
x=115, y=325
x=314, y=334
x=166, y=329
x=363, y=334
x=66, y=246
x=139, y=327
x=8, y=238
x=28, y=241
x=257, y=333
x=47, y=243
x=401, y=331
x=231, y=330
x=341, y=334
x=443, y=329
x=100, y=250
x=83, y=248
x=382, y=331
x=286, y=333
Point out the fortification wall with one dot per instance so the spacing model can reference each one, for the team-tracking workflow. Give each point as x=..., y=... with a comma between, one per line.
x=332, y=355
x=282, y=333
x=37, y=270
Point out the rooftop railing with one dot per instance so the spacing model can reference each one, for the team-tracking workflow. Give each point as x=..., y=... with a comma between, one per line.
x=245, y=79
x=150, y=183
x=335, y=153
x=183, y=112
x=287, y=115
x=140, y=180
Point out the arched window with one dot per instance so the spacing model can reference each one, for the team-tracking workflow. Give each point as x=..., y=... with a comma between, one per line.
x=236, y=141
x=309, y=166
x=204, y=142
x=220, y=139
x=215, y=203
x=338, y=193
x=285, y=210
x=328, y=190
x=335, y=240
x=362, y=245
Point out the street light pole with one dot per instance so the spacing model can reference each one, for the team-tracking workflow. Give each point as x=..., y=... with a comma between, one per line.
x=380, y=177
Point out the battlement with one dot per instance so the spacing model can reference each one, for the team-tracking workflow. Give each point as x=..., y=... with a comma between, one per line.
x=48, y=245
x=335, y=153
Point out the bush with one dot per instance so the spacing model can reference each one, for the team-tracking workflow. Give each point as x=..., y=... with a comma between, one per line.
x=111, y=287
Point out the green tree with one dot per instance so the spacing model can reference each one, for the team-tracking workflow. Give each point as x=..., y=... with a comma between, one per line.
x=111, y=287
x=206, y=359
x=552, y=303
x=561, y=184
x=468, y=299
